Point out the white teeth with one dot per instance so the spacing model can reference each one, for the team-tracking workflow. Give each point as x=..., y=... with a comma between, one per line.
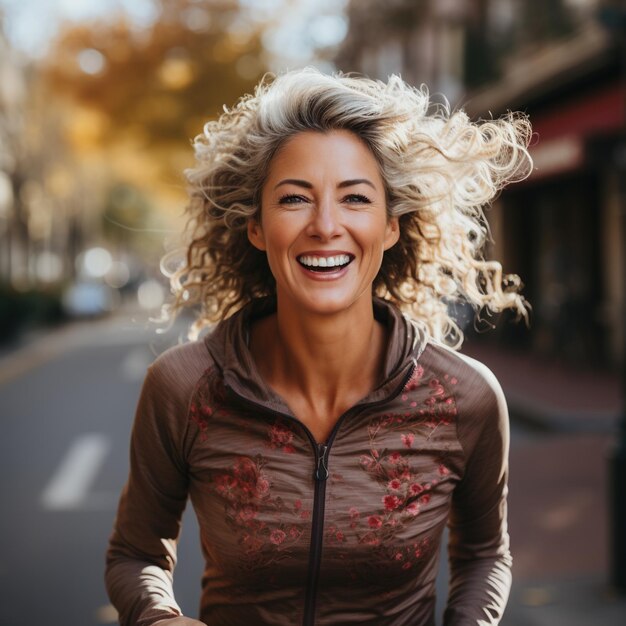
x=324, y=261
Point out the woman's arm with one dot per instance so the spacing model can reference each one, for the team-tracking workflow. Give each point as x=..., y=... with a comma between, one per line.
x=142, y=550
x=480, y=560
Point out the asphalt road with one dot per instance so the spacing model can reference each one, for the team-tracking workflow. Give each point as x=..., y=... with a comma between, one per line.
x=66, y=405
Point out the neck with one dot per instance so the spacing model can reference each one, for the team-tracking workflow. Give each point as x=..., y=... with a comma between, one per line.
x=328, y=357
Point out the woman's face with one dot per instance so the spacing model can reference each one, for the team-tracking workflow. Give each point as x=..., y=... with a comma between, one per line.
x=324, y=222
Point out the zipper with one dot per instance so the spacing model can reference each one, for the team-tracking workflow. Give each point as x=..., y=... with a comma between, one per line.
x=320, y=476
x=321, y=473
x=317, y=532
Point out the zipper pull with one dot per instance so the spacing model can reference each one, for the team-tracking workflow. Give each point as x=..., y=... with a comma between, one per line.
x=321, y=473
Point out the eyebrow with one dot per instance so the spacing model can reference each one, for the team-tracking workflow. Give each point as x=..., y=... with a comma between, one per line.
x=307, y=185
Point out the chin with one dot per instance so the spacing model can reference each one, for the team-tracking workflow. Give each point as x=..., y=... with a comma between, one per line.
x=328, y=304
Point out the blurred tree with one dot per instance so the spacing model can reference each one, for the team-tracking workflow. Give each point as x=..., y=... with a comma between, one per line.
x=125, y=215
x=147, y=91
x=158, y=81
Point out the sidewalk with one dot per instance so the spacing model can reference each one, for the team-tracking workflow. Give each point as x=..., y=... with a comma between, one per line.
x=558, y=504
x=553, y=397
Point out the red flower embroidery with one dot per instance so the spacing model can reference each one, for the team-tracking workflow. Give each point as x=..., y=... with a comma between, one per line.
x=374, y=521
x=398, y=440
x=371, y=539
x=209, y=398
x=407, y=440
x=366, y=462
x=437, y=388
x=391, y=502
x=246, y=491
x=281, y=437
x=247, y=513
x=395, y=458
x=412, y=509
x=415, y=489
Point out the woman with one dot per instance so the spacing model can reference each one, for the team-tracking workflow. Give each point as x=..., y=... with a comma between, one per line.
x=324, y=437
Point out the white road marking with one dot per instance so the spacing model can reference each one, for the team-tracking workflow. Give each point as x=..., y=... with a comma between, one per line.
x=69, y=487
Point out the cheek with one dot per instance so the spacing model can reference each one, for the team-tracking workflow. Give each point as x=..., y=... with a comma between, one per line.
x=278, y=242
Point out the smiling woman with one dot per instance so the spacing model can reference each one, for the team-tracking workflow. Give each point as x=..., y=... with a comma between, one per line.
x=323, y=236
x=324, y=437
x=439, y=171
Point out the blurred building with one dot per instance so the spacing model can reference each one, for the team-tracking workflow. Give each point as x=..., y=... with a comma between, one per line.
x=422, y=40
x=560, y=229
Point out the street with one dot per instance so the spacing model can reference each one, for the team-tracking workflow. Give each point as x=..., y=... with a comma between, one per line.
x=67, y=402
x=67, y=413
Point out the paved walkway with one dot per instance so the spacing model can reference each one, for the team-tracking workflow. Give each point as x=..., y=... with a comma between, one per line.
x=558, y=505
x=553, y=396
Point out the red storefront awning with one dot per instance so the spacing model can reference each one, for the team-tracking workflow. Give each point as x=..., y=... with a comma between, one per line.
x=560, y=132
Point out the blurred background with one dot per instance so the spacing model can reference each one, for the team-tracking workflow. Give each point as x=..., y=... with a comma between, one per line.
x=98, y=104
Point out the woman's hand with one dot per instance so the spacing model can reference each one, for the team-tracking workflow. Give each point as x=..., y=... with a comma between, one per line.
x=179, y=621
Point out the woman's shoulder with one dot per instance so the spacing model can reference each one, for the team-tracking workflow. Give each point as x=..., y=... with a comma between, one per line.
x=446, y=360
x=480, y=405
x=476, y=387
x=181, y=367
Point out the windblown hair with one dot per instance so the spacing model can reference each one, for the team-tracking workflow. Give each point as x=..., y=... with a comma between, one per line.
x=439, y=168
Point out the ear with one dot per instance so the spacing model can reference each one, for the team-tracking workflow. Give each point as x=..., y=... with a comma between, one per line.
x=255, y=234
x=392, y=233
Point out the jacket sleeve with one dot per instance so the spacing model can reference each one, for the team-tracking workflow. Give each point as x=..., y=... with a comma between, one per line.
x=480, y=559
x=142, y=550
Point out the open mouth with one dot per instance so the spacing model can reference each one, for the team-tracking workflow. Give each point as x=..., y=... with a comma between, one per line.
x=325, y=263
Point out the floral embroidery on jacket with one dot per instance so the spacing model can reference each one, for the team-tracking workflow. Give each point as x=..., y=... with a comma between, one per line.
x=406, y=491
x=246, y=490
x=209, y=397
x=281, y=437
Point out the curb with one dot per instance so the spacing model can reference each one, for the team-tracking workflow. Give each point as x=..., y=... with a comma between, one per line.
x=553, y=420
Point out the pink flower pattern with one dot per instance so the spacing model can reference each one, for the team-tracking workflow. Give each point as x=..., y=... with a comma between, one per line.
x=245, y=487
x=406, y=490
x=281, y=437
x=208, y=400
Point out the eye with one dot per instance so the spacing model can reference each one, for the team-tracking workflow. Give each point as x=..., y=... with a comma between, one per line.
x=357, y=198
x=292, y=198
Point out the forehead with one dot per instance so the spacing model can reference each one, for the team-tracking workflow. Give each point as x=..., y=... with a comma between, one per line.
x=339, y=153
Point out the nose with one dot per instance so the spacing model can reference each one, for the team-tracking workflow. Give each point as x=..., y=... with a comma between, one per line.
x=325, y=223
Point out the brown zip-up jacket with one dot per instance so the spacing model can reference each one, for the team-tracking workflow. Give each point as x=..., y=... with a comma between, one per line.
x=300, y=533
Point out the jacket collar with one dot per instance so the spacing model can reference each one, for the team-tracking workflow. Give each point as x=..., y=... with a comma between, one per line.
x=228, y=346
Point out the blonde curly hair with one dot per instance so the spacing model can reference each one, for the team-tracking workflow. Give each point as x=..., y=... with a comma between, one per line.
x=440, y=169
